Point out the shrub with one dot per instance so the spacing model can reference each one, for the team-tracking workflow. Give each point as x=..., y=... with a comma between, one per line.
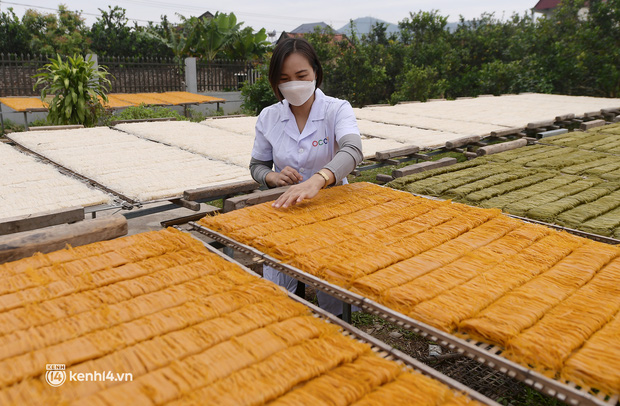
x=11, y=126
x=142, y=112
x=78, y=89
x=258, y=95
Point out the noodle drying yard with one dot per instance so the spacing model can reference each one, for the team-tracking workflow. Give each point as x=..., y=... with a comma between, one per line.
x=506, y=263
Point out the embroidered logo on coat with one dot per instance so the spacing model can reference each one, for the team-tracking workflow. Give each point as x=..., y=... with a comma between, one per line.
x=320, y=142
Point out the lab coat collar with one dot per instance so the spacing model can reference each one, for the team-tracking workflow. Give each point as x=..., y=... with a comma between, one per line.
x=317, y=112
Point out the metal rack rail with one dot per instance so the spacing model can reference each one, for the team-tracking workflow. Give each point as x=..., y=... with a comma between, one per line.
x=380, y=348
x=484, y=353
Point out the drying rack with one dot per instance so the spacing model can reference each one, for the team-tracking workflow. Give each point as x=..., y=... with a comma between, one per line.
x=380, y=348
x=188, y=198
x=484, y=353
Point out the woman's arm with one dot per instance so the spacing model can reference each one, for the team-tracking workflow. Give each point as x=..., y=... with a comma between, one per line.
x=259, y=170
x=262, y=173
x=343, y=163
x=347, y=158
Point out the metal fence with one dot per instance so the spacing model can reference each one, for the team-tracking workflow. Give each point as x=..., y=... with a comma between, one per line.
x=135, y=75
x=223, y=75
x=132, y=75
x=17, y=71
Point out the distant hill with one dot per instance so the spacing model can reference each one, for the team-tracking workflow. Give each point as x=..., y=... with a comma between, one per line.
x=364, y=24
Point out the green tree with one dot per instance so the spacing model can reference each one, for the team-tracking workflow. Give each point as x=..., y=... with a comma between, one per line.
x=584, y=47
x=110, y=34
x=416, y=83
x=64, y=33
x=14, y=37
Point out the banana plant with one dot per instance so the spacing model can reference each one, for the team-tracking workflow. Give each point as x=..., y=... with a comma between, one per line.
x=175, y=39
x=79, y=90
x=210, y=37
x=247, y=44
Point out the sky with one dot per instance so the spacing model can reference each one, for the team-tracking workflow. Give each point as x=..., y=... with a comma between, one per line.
x=278, y=15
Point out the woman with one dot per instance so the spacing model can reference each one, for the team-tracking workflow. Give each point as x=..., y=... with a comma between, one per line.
x=311, y=139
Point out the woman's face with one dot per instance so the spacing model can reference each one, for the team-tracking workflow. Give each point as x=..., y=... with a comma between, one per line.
x=296, y=67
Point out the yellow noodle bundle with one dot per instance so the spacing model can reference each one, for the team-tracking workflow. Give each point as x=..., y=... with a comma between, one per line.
x=402, y=273
x=401, y=392
x=568, y=325
x=474, y=295
x=343, y=385
x=186, y=324
x=72, y=254
x=278, y=374
x=596, y=363
x=522, y=307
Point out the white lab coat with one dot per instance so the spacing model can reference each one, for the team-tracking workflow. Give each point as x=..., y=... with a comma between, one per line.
x=278, y=140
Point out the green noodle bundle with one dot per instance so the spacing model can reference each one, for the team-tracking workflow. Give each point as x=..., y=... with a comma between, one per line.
x=575, y=217
x=549, y=212
x=522, y=207
x=525, y=193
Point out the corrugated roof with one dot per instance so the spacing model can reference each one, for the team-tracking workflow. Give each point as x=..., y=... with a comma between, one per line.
x=546, y=4
x=335, y=37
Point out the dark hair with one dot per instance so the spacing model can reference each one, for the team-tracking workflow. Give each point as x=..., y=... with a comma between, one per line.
x=285, y=48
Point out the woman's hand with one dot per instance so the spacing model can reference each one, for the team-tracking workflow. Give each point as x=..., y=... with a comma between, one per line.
x=287, y=176
x=296, y=194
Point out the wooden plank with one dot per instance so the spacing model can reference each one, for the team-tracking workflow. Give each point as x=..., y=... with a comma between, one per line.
x=381, y=177
x=591, y=124
x=210, y=210
x=21, y=245
x=31, y=222
x=614, y=110
x=396, y=152
x=539, y=124
x=422, y=166
x=565, y=117
x=461, y=142
x=220, y=190
x=505, y=146
x=56, y=127
x=470, y=155
x=195, y=206
x=142, y=120
x=592, y=114
x=508, y=131
x=262, y=196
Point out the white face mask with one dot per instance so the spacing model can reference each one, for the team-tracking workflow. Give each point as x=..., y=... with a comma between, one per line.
x=297, y=92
